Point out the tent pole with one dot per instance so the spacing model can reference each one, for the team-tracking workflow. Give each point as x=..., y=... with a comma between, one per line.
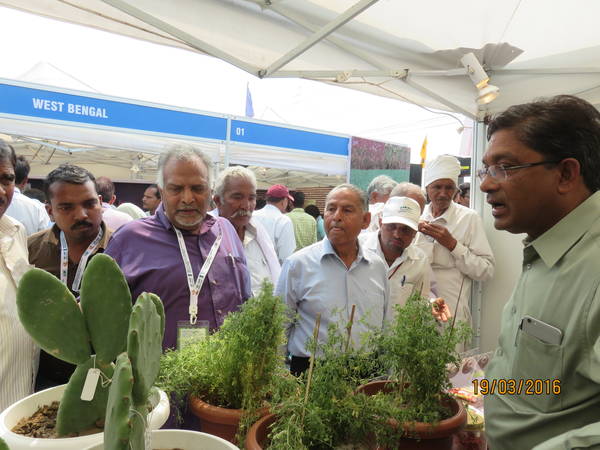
x=477, y=202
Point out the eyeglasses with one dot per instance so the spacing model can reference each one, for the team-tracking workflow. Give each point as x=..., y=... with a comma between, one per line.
x=499, y=172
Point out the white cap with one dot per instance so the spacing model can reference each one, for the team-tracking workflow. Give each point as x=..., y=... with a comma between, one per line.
x=402, y=210
x=442, y=167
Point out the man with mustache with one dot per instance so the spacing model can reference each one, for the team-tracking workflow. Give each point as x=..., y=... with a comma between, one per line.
x=235, y=197
x=332, y=275
x=192, y=260
x=453, y=238
x=17, y=350
x=65, y=249
x=542, y=177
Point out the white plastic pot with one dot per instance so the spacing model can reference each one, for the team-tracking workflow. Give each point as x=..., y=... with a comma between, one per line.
x=184, y=439
x=27, y=406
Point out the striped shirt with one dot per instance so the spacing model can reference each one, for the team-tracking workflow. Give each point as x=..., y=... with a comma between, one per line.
x=18, y=354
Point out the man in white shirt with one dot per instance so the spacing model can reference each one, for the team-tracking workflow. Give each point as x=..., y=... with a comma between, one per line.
x=408, y=267
x=235, y=197
x=31, y=213
x=278, y=225
x=453, y=238
x=331, y=276
x=112, y=218
x=18, y=354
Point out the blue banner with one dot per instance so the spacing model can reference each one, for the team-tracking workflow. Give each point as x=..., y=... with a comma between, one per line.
x=51, y=105
x=45, y=104
x=262, y=134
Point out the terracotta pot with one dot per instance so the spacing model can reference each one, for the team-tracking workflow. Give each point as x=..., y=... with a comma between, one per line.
x=439, y=436
x=258, y=433
x=222, y=422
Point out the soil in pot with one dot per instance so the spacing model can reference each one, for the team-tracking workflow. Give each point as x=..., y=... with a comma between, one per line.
x=425, y=436
x=42, y=423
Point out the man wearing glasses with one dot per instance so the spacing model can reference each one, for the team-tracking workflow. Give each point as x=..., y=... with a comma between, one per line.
x=453, y=238
x=541, y=177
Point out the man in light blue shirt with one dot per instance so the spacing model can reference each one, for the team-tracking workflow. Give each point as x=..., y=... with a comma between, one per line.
x=334, y=274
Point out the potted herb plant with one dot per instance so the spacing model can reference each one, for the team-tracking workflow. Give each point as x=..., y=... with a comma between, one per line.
x=51, y=315
x=229, y=376
x=407, y=410
x=323, y=411
x=416, y=351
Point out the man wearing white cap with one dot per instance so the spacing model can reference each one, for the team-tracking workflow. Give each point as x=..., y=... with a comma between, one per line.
x=408, y=265
x=452, y=237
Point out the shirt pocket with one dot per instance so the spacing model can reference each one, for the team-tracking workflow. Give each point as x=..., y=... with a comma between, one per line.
x=538, y=364
x=442, y=256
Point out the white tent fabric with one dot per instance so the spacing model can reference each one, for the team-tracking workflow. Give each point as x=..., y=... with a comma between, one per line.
x=531, y=48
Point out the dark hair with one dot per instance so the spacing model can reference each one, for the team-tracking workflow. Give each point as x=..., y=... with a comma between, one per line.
x=68, y=173
x=7, y=153
x=298, y=199
x=313, y=210
x=464, y=189
x=274, y=199
x=560, y=127
x=37, y=194
x=260, y=203
x=105, y=187
x=155, y=186
x=22, y=169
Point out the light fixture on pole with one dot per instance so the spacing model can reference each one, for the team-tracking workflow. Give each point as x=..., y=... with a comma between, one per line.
x=487, y=92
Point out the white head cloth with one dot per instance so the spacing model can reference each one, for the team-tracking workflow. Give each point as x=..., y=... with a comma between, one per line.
x=444, y=166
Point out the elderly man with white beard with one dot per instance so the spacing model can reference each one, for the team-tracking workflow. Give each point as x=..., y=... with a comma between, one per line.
x=235, y=197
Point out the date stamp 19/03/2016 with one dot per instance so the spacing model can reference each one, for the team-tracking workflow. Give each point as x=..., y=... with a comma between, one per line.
x=510, y=386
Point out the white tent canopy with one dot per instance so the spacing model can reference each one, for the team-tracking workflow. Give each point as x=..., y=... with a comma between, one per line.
x=531, y=48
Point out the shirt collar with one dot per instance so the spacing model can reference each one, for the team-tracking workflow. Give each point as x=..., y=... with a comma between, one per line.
x=162, y=218
x=329, y=250
x=447, y=216
x=53, y=236
x=7, y=226
x=558, y=240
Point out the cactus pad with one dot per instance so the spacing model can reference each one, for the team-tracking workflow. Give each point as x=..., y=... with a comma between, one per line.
x=51, y=316
x=76, y=415
x=144, y=346
x=118, y=427
x=106, y=305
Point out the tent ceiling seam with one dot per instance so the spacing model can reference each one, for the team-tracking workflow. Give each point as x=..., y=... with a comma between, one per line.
x=318, y=36
x=185, y=37
x=122, y=22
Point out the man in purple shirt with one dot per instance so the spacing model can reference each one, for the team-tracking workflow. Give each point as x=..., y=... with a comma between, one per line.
x=152, y=251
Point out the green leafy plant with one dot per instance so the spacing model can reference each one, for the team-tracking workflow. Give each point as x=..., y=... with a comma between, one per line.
x=51, y=315
x=325, y=412
x=413, y=350
x=239, y=366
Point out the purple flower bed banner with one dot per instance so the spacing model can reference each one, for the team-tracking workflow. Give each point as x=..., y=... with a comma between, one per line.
x=369, y=159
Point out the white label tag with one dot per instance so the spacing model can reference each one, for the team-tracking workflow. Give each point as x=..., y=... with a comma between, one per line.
x=89, y=387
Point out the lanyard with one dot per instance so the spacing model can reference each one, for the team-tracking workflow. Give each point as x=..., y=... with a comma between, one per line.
x=195, y=287
x=64, y=259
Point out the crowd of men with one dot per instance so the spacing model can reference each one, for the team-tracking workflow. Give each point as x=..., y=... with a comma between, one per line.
x=541, y=176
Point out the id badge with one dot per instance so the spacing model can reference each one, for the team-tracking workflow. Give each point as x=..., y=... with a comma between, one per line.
x=188, y=334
